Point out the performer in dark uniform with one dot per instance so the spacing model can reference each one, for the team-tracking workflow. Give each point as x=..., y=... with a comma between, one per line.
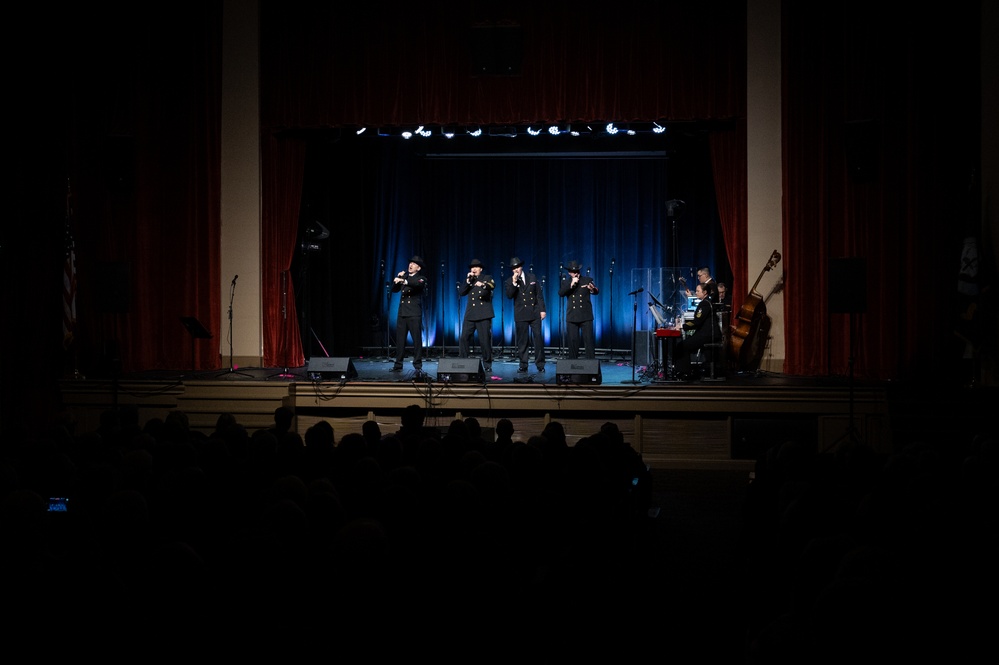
x=528, y=312
x=710, y=286
x=579, y=311
x=700, y=330
x=409, y=320
x=478, y=313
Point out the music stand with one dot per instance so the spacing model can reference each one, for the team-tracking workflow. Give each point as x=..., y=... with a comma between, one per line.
x=197, y=332
x=656, y=301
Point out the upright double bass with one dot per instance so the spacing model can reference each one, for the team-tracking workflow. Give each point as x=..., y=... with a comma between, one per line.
x=750, y=333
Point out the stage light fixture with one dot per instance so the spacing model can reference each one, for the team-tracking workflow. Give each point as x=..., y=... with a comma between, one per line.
x=510, y=132
x=579, y=129
x=449, y=131
x=657, y=128
x=406, y=134
x=554, y=130
x=474, y=131
x=361, y=130
x=611, y=128
x=532, y=131
x=423, y=131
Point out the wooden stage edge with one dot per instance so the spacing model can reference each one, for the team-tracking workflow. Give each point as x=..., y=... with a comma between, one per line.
x=704, y=424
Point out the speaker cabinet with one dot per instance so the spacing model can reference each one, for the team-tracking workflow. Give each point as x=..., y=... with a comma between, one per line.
x=460, y=370
x=578, y=371
x=331, y=369
x=644, y=349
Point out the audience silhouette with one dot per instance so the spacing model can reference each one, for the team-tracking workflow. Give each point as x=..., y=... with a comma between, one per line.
x=845, y=552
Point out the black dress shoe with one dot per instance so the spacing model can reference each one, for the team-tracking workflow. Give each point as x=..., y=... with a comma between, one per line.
x=521, y=370
x=541, y=370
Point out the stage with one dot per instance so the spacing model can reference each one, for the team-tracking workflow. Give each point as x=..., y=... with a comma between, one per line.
x=726, y=422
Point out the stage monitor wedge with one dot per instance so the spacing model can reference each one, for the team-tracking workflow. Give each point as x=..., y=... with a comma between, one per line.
x=460, y=370
x=331, y=369
x=578, y=371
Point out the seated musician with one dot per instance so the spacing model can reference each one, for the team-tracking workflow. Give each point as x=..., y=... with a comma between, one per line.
x=702, y=329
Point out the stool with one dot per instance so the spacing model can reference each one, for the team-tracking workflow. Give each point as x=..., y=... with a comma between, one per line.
x=709, y=354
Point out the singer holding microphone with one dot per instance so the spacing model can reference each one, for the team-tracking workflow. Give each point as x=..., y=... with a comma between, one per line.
x=479, y=313
x=579, y=312
x=528, y=312
x=411, y=285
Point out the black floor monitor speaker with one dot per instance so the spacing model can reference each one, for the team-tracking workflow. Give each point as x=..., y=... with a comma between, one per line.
x=644, y=350
x=331, y=369
x=460, y=370
x=578, y=371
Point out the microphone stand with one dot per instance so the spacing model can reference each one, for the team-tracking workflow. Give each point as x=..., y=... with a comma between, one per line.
x=611, y=281
x=561, y=317
x=388, y=307
x=545, y=295
x=232, y=295
x=443, y=318
x=387, y=354
x=502, y=351
x=634, y=330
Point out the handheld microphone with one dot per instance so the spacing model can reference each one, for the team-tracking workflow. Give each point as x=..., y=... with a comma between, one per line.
x=636, y=292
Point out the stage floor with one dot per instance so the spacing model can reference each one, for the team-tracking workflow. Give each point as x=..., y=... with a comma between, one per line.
x=614, y=371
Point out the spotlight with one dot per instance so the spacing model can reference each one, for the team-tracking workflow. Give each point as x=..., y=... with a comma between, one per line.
x=657, y=128
x=474, y=131
x=611, y=129
x=361, y=130
x=503, y=131
x=423, y=131
x=406, y=134
x=449, y=131
x=554, y=130
x=532, y=131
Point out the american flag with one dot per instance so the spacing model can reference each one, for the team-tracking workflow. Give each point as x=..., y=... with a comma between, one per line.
x=69, y=278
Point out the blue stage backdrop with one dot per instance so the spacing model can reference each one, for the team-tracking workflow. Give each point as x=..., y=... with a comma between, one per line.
x=385, y=199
